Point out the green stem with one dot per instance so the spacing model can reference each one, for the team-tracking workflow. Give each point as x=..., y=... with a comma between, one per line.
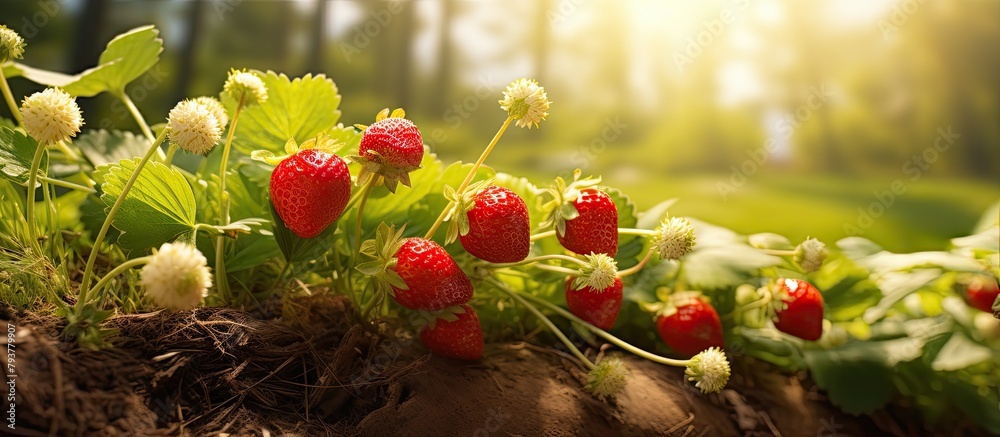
x=143, y=126
x=493, y=266
x=89, y=270
x=604, y=334
x=221, y=279
x=281, y=276
x=548, y=323
x=36, y=162
x=470, y=176
x=542, y=235
x=70, y=154
x=557, y=269
x=633, y=231
x=117, y=271
x=361, y=209
x=635, y=269
x=170, y=153
x=9, y=97
x=64, y=184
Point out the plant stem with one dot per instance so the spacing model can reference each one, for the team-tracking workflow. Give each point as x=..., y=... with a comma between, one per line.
x=472, y=174
x=548, y=323
x=221, y=279
x=633, y=231
x=70, y=154
x=281, y=276
x=64, y=184
x=536, y=259
x=604, y=334
x=9, y=97
x=557, y=269
x=170, y=153
x=117, y=271
x=635, y=269
x=89, y=270
x=36, y=162
x=542, y=235
x=361, y=209
x=140, y=121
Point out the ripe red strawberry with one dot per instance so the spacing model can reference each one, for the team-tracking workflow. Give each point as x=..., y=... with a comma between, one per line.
x=499, y=231
x=460, y=339
x=803, y=314
x=433, y=279
x=392, y=147
x=982, y=293
x=309, y=191
x=692, y=328
x=595, y=230
x=597, y=307
x=395, y=142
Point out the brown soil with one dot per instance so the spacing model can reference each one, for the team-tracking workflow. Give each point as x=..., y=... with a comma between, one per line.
x=212, y=371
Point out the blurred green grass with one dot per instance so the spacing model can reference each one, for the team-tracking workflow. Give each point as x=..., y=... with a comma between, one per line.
x=924, y=217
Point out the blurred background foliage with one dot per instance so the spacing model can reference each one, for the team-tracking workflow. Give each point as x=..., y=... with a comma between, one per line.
x=804, y=118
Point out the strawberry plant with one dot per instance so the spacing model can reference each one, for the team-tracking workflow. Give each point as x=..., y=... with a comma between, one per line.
x=286, y=199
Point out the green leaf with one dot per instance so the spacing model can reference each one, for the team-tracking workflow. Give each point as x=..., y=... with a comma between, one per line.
x=629, y=246
x=297, y=249
x=960, y=352
x=722, y=266
x=125, y=58
x=987, y=240
x=651, y=218
x=295, y=109
x=856, y=248
x=16, y=152
x=858, y=376
x=103, y=147
x=990, y=218
x=159, y=207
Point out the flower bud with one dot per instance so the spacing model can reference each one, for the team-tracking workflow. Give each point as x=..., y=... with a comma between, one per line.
x=194, y=127
x=215, y=107
x=810, y=255
x=600, y=272
x=51, y=116
x=177, y=276
x=709, y=370
x=608, y=379
x=246, y=86
x=11, y=44
x=674, y=238
x=525, y=102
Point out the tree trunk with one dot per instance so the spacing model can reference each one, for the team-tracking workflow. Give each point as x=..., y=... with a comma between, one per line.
x=189, y=51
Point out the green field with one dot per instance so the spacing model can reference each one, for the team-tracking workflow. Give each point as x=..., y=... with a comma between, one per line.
x=924, y=217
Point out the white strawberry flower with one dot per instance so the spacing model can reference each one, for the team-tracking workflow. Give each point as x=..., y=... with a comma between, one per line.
x=51, y=116
x=599, y=273
x=194, y=127
x=11, y=44
x=709, y=370
x=177, y=276
x=674, y=238
x=608, y=379
x=810, y=255
x=525, y=102
x=245, y=85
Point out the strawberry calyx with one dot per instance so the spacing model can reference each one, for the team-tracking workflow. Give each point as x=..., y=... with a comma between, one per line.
x=460, y=203
x=373, y=167
x=599, y=273
x=323, y=142
x=383, y=249
x=429, y=319
x=561, y=208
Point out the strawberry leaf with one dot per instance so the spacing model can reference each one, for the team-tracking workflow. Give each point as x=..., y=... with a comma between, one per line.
x=103, y=147
x=297, y=249
x=16, y=153
x=159, y=207
x=296, y=109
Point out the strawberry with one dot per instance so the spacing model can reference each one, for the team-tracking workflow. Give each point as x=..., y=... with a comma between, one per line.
x=392, y=147
x=599, y=307
x=309, y=191
x=691, y=326
x=497, y=228
x=456, y=335
x=802, y=312
x=982, y=293
x=585, y=218
x=418, y=272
